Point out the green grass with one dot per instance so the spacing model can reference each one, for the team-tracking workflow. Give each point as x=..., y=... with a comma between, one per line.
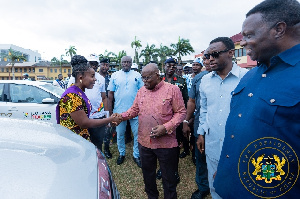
x=129, y=178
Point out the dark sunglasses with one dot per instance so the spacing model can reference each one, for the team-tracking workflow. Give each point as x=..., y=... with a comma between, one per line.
x=215, y=54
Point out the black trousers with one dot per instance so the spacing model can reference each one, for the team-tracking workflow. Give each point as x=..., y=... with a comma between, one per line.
x=167, y=158
x=98, y=136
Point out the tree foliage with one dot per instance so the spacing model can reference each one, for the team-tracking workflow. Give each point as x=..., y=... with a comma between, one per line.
x=136, y=44
x=13, y=57
x=71, y=51
x=182, y=48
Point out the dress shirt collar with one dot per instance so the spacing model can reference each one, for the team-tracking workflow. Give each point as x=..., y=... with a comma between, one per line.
x=290, y=56
x=158, y=86
x=234, y=71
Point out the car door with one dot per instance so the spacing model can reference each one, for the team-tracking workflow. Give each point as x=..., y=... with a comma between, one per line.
x=3, y=101
x=25, y=102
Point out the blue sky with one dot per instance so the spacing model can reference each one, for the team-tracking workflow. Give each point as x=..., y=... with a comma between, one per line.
x=92, y=26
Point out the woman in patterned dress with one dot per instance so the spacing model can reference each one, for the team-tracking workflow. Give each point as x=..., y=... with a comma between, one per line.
x=74, y=107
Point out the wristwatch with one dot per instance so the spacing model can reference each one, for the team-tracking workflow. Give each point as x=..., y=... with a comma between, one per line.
x=185, y=121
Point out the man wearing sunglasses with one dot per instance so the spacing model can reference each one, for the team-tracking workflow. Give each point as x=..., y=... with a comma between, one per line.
x=215, y=94
x=260, y=156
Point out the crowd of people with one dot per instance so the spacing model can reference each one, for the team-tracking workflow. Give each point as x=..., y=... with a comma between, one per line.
x=241, y=126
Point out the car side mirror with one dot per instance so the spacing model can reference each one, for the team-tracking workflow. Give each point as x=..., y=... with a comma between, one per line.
x=48, y=101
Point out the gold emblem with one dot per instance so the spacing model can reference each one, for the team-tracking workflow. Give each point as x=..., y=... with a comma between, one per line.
x=268, y=167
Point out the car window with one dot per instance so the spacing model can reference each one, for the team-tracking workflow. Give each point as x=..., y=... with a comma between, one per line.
x=55, y=89
x=1, y=92
x=27, y=94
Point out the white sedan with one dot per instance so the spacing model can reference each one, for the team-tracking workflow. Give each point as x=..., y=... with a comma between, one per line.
x=41, y=160
x=30, y=100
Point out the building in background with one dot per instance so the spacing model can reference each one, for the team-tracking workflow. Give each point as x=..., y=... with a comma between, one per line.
x=30, y=55
x=40, y=71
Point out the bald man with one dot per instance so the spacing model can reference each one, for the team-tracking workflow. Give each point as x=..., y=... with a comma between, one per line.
x=161, y=109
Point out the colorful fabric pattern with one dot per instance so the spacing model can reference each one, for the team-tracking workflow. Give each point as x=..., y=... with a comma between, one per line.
x=70, y=103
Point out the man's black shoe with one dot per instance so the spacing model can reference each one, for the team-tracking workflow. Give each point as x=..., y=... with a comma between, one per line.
x=199, y=194
x=177, y=177
x=158, y=175
x=137, y=161
x=184, y=154
x=107, y=154
x=120, y=159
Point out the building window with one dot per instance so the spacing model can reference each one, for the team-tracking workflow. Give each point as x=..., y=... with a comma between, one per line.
x=33, y=70
x=236, y=53
x=25, y=70
x=65, y=70
x=16, y=70
x=55, y=70
x=7, y=70
x=244, y=52
x=51, y=70
x=40, y=70
x=29, y=70
x=2, y=78
x=17, y=78
x=2, y=70
x=20, y=70
x=69, y=70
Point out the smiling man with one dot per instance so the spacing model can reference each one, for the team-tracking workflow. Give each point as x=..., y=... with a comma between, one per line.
x=215, y=94
x=260, y=156
x=161, y=109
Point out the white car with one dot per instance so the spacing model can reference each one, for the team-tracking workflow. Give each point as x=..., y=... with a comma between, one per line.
x=30, y=100
x=41, y=160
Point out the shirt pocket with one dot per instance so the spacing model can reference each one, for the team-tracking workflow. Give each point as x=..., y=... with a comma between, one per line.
x=235, y=96
x=278, y=110
x=165, y=107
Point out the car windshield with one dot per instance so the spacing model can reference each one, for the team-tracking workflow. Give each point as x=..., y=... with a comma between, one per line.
x=53, y=89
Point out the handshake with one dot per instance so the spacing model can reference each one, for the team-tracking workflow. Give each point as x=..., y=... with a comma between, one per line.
x=116, y=119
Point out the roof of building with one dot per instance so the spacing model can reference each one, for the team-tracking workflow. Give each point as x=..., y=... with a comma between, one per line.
x=237, y=38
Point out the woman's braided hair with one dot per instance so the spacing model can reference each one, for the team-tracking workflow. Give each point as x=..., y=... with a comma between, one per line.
x=79, y=65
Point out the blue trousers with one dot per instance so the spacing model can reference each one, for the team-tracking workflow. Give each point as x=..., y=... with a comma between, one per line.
x=121, y=128
x=201, y=177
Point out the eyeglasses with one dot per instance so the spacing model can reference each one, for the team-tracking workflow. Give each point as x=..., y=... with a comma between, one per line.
x=146, y=78
x=215, y=54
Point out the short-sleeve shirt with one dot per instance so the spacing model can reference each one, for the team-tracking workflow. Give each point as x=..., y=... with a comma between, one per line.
x=94, y=95
x=125, y=86
x=70, y=103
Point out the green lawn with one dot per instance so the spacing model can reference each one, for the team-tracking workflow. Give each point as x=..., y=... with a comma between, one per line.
x=129, y=180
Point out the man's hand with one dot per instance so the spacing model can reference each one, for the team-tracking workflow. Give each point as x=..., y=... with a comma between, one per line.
x=158, y=130
x=200, y=143
x=186, y=130
x=116, y=119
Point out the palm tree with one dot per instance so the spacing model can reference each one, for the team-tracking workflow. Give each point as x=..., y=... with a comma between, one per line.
x=106, y=54
x=12, y=57
x=148, y=53
x=163, y=52
x=137, y=44
x=182, y=48
x=71, y=51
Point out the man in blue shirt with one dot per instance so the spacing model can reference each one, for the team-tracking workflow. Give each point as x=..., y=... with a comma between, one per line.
x=215, y=93
x=260, y=155
x=123, y=87
x=192, y=119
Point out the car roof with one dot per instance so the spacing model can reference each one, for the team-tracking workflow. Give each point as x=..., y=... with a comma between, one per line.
x=23, y=82
x=44, y=160
x=37, y=84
